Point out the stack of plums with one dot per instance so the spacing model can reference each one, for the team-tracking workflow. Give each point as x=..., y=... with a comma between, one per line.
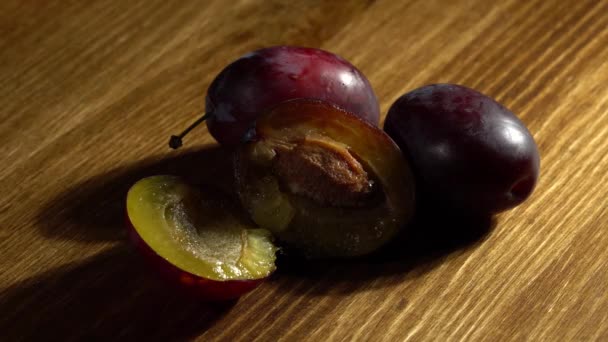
x=318, y=177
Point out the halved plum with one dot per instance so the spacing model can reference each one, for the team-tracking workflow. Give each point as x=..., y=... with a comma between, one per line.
x=196, y=240
x=323, y=181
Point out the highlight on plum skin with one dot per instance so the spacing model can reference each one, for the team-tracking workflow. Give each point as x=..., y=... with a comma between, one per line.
x=266, y=77
x=326, y=183
x=468, y=151
x=196, y=240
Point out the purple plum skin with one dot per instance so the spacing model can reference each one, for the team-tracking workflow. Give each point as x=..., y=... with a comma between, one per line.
x=264, y=78
x=468, y=151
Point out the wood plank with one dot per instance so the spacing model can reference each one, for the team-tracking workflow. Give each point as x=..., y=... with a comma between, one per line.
x=91, y=91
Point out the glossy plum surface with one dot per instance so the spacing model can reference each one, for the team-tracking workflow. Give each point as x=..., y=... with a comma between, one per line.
x=266, y=77
x=467, y=150
x=326, y=183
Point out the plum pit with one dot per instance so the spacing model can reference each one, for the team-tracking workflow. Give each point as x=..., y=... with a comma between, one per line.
x=323, y=171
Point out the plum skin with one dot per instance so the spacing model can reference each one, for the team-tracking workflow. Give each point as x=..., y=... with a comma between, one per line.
x=468, y=152
x=185, y=283
x=266, y=77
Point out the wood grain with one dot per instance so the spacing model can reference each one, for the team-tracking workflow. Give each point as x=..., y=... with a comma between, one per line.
x=90, y=92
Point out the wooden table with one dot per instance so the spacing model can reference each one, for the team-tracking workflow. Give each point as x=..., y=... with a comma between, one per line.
x=91, y=90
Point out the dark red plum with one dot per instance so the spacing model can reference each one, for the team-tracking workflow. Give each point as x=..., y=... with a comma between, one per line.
x=266, y=77
x=468, y=151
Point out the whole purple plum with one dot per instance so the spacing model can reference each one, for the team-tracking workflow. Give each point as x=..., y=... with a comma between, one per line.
x=468, y=151
x=264, y=78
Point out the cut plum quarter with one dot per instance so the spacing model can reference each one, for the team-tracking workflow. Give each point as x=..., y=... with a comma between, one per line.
x=196, y=240
x=326, y=183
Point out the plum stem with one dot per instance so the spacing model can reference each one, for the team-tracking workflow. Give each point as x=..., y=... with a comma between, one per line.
x=176, y=140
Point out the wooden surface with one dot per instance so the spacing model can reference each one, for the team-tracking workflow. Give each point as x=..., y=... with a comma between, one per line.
x=91, y=90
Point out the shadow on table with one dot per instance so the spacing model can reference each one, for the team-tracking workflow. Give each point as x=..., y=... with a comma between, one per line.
x=94, y=210
x=105, y=298
x=431, y=238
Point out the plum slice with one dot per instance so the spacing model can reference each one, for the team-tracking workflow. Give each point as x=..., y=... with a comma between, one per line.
x=197, y=240
x=323, y=181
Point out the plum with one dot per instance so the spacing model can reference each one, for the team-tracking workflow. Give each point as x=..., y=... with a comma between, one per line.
x=325, y=182
x=468, y=152
x=196, y=241
x=266, y=77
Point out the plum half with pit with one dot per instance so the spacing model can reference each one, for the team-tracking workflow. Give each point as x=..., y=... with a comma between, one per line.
x=326, y=183
x=468, y=152
x=266, y=77
x=197, y=240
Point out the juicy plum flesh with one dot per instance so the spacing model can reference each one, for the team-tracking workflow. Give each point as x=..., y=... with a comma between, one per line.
x=365, y=197
x=195, y=233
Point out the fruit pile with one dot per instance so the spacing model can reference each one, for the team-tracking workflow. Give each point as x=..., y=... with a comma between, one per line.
x=316, y=175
